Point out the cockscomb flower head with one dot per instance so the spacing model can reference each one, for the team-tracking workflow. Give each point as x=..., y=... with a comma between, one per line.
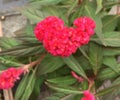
x=85, y=24
x=48, y=24
x=60, y=40
x=88, y=96
x=9, y=76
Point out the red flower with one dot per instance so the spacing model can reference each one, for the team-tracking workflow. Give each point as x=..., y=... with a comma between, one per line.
x=48, y=24
x=88, y=96
x=60, y=40
x=8, y=77
x=85, y=24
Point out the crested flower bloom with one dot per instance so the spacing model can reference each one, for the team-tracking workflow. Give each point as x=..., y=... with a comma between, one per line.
x=63, y=41
x=85, y=24
x=48, y=24
x=9, y=76
x=88, y=96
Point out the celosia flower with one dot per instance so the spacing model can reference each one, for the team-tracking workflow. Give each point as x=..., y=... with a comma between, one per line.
x=48, y=24
x=88, y=96
x=85, y=24
x=8, y=77
x=61, y=43
x=60, y=40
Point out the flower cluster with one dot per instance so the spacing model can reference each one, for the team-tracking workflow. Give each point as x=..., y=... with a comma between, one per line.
x=88, y=96
x=63, y=41
x=8, y=77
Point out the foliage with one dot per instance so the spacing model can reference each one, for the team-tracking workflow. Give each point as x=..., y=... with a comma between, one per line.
x=97, y=60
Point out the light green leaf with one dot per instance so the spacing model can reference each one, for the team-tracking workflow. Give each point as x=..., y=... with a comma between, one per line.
x=44, y=2
x=108, y=73
x=99, y=5
x=59, y=80
x=21, y=88
x=110, y=22
x=61, y=96
x=74, y=65
x=95, y=57
x=111, y=62
x=30, y=13
x=90, y=11
x=108, y=90
x=49, y=64
x=37, y=88
x=64, y=89
x=107, y=51
x=72, y=7
x=110, y=39
x=29, y=87
x=8, y=42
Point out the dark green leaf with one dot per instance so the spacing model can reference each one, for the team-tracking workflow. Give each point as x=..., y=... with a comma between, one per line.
x=67, y=80
x=29, y=87
x=21, y=88
x=45, y=2
x=107, y=90
x=30, y=13
x=74, y=65
x=95, y=56
x=49, y=64
x=2, y=67
x=107, y=51
x=90, y=11
x=111, y=62
x=9, y=61
x=72, y=7
x=110, y=22
x=99, y=6
x=7, y=42
x=25, y=49
x=108, y=73
x=110, y=39
x=36, y=91
x=64, y=89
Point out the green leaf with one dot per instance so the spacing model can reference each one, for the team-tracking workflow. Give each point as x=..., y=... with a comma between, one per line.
x=107, y=51
x=7, y=42
x=30, y=13
x=90, y=11
x=95, y=57
x=61, y=96
x=99, y=6
x=110, y=22
x=49, y=64
x=74, y=65
x=55, y=96
x=111, y=62
x=108, y=73
x=45, y=2
x=110, y=4
x=110, y=39
x=2, y=67
x=24, y=49
x=108, y=90
x=72, y=7
x=9, y=61
x=36, y=91
x=59, y=80
x=64, y=89
x=29, y=87
x=21, y=88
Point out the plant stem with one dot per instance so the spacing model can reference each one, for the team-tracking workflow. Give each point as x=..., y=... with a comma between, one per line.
x=32, y=64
